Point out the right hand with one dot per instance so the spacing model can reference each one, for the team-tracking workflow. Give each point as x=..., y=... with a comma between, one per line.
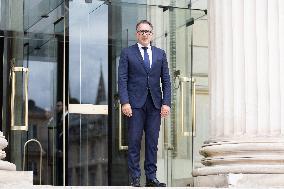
x=126, y=109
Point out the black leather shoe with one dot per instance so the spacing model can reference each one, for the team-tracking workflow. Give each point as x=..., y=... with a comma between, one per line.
x=154, y=183
x=135, y=182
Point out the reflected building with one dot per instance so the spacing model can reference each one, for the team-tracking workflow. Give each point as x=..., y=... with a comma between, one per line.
x=88, y=145
x=38, y=121
x=87, y=133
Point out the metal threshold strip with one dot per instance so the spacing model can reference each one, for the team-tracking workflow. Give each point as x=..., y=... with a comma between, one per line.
x=88, y=109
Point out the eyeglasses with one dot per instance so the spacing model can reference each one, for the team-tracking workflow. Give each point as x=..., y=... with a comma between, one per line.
x=142, y=32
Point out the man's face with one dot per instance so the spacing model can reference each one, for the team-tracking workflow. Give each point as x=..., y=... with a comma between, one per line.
x=144, y=34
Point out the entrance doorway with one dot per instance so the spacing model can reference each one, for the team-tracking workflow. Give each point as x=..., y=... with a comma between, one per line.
x=67, y=58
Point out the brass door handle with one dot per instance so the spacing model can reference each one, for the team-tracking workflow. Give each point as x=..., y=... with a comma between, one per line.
x=41, y=150
x=193, y=106
x=26, y=71
x=121, y=146
x=184, y=80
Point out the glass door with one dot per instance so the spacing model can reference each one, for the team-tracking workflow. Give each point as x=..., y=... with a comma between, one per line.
x=180, y=127
x=187, y=46
x=87, y=101
x=31, y=80
x=35, y=112
x=199, y=49
x=172, y=32
x=183, y=34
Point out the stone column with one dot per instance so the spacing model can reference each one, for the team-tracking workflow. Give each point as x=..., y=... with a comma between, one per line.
x=246, y=75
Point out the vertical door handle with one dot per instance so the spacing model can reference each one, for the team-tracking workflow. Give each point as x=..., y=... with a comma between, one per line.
x=26, y=71
x=121, y=146
x=183, y=81
x=40, y=161
x=193, y=106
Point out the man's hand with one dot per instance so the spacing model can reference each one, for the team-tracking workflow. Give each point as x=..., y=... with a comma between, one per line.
x=165, y=111
x=126, y=109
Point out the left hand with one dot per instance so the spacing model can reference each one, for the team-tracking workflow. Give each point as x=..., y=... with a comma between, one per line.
x=165, y=111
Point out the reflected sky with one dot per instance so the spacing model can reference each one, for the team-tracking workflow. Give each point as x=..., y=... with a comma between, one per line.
x=88, y=48
x=42, y=84
x=88, y=57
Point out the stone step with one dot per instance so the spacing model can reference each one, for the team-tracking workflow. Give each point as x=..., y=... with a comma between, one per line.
x=88, y=187
x=19, y=178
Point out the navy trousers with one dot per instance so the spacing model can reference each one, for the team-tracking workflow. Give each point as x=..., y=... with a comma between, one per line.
x=147, y=118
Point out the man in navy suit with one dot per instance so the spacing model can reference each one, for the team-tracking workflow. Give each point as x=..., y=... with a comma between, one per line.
x=142, y=70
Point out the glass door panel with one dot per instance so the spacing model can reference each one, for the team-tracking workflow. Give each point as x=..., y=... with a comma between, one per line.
x=200, y=73
x=181, y=143
x=171, y=34
x=32, y=74
x=44, y=114
x=87, y=133
x=123, y=35
x=122, y=22
x=180, y=123
x=34, y=93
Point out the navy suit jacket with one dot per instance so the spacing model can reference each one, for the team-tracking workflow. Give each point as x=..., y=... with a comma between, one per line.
x=134, y=79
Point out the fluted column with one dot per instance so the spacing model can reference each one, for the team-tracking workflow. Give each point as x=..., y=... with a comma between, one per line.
x=246, y=78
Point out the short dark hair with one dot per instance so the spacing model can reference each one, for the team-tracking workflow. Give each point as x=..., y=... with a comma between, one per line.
x=144, y=22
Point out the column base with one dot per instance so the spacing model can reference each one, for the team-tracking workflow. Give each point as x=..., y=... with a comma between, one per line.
x=238, y=169
x=240, y=180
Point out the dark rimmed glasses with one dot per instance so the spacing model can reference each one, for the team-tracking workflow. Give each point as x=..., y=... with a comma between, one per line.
x=142, y=32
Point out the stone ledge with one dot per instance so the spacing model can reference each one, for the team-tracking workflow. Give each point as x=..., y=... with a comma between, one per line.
x=238, y=169
x=17, y=178
x=240, y=181
x=5, y=165
x=89, y=187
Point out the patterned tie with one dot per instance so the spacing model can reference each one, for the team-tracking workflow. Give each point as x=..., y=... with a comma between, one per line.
x=146, y=58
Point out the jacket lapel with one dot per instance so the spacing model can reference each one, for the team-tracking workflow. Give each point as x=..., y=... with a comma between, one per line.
x=154, y=57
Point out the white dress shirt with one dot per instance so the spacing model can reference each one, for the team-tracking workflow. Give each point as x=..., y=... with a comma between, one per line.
x=149, y=51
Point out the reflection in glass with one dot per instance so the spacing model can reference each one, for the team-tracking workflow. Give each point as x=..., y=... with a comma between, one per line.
x=38, y=10
x=31, y=41
x=88, y=150
x=45, y=112
x=88, y=51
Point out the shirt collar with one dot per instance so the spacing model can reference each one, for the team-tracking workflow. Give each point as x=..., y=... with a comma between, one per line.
x=140, y=46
